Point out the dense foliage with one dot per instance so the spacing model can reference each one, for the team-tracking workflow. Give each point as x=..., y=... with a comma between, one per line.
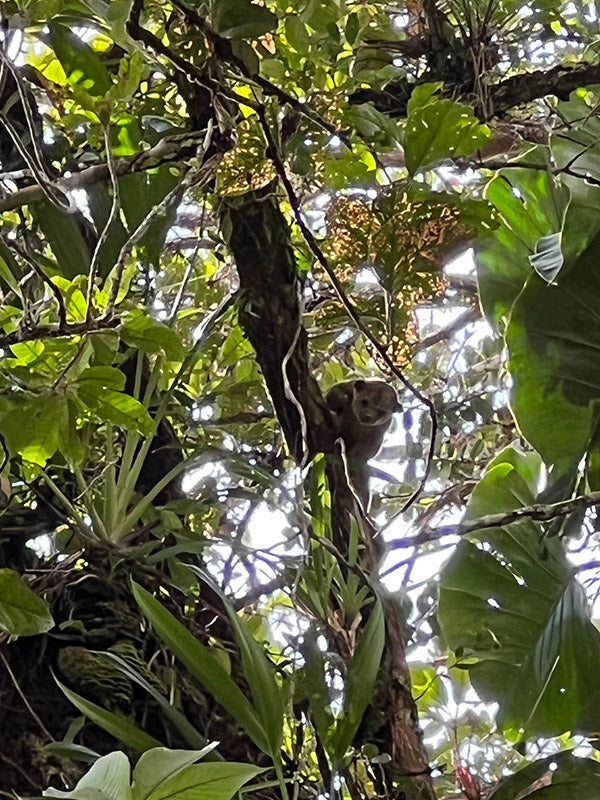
x=212, y=211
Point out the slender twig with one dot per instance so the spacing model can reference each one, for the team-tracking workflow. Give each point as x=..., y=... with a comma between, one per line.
x=350, y=308
x=113, y=213
x=21, y=694
x=46, y=332
x=539, y=512
x=202, y=176
x=47, y=188
x=470, y=315
x=30, y=260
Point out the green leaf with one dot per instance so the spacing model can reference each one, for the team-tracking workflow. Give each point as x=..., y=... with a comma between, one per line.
x=241, y=19
x=438, y=130
x=531, y=204
x=149, y=335
x=352, y=27
x=115, y=406
x=64, y=235
x=203, y=665
x=565, y=776
x=118, y=726
x=22, y=612
x=422, y=95
x=103, y=378
x=361, y=677
x=207, y=781
x=158, y=766
x=260, y=675
x=297, y=34
x=33, y=429
x=141, y=193
x=108, y=778
x=81, y=65
x=191, y=735
x=519, y=615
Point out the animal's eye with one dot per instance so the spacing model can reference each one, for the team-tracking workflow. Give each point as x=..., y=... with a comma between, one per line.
x=364, y=403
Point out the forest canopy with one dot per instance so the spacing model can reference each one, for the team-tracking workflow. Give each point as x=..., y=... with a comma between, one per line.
x=299, y=399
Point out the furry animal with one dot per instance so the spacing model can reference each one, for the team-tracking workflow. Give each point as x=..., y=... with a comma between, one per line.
x=362, y=412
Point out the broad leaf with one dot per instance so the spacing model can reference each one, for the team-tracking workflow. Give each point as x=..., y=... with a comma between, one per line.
x=207, y=781
x=22, y=612
x=81, y=64
x=531, y=205
x=158, y=766
x=562, y=776
x=517, y=615
x=64, y=234
x=150, y=335
x=241, y=19
x=441, y=129
x=108, y=777
x=33, y=429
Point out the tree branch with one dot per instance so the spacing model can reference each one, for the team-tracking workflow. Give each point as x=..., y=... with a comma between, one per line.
x=47, y=332
x=539, y=512
x=169, y=149
x=470, y=315
x=514, y=91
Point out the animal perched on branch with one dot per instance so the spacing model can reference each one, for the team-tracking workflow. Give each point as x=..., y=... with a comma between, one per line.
x=362, y=412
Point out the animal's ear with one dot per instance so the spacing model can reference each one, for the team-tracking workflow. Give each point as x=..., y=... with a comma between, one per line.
x=359, y=385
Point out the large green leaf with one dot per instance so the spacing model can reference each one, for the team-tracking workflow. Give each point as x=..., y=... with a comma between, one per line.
x=562, y=776
x=517, y=615
x=203, y=664
x=22, y=612
x=207, y=781
x=150, y=335
x=157, y=767
x=141, y=193
x=107, y=779
x=552, y=335
x=438, y=129
x=80, y=63
x=64, y=234
x=33, y=428
x=530, y=204
x=241, y=19
x=259, y=672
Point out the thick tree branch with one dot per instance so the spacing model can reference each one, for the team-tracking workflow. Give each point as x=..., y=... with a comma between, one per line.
x=269, y=311
x=168, y=150
x=514, y=91
x=539, y=512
